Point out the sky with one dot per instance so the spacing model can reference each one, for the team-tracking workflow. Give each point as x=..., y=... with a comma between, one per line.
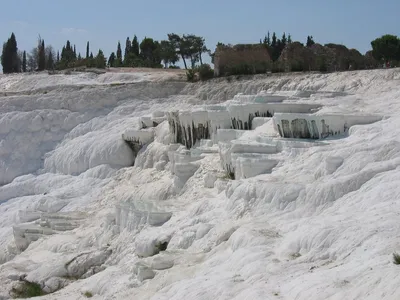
x=354, y=23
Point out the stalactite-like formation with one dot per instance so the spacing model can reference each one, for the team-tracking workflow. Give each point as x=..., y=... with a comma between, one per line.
x=247, y=125
x=308, y=126
x=135, y=145
x=188, y=128
x=136, y=139
x=175, y=127
x=188, y=133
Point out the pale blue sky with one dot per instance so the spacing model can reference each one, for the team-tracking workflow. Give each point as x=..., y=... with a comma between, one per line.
x=353, y=23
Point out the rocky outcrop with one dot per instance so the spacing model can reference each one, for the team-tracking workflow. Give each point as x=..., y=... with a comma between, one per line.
x=296, y=57
x=330, y=58
x=241, y=59
x=370, y=61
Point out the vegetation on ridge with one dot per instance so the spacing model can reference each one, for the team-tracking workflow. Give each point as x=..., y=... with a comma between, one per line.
x=189, y=49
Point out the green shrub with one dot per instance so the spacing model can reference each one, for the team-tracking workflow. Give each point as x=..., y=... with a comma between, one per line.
x=322, y=64
x=396, y=259
x=277, y=67
x=190, y=75
x=261, y=67
x=161, y=247
x=88, y=294
x=241, y=69
x=27, y=290
x=323, y=68
x=230, y=173
x=205, y=72
x=297, y=66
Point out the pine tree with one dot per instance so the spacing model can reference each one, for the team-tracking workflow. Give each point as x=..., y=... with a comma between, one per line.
x=119, y=55
x=135, y=46
x=87, y=50
x=58, y=56
x=24, y=62
x=386, y=48
x=79, y=56
x=268, y=40
x=149, y=52
x=74, y=51
x=167, y=53
x=289, y=39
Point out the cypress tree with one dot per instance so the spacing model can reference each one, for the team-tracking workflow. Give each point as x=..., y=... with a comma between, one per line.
x=14, y=55
x=58, y=56
x=111, y=60
x=310, y=41
x=5, y=61
x=135, y=46
x=128, y=46
x=42, y=56
x=9, y=58
x=68, y=46
x=284, y=40
x=90, y=62
x=276, y=46
x=24, y=62
x=68, y=56
x=273, y=43
x=87, y=50
x=119, y=55
x=50, y=61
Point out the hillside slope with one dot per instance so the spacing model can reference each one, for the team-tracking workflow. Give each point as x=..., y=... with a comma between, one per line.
x=323, y=224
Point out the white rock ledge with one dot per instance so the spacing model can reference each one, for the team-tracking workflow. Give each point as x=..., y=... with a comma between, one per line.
x=133, y=215
x=311, y=126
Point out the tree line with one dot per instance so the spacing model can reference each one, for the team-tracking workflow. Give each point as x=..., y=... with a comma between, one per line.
x=152, y=53
x=147, y=53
